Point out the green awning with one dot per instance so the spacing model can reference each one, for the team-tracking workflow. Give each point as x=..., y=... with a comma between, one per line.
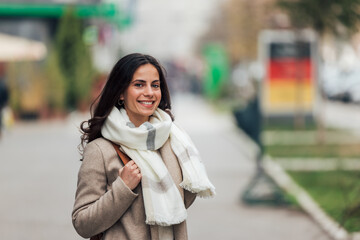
x=56, y=10
x=107, y=11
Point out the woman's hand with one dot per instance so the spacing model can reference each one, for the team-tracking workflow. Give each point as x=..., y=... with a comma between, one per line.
x=130, y=174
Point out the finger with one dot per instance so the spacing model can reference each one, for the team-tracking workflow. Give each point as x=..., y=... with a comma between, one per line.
x=136, y=166
x=129, y=165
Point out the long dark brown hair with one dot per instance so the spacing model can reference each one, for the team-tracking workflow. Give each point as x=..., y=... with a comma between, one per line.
x=118, y=81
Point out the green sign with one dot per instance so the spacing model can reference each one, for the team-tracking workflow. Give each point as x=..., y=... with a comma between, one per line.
x=217, y=71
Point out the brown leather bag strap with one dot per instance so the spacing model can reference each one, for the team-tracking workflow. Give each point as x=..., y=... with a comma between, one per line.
x=123, y=157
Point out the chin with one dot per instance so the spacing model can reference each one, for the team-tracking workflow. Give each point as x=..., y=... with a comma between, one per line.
x=148, y=114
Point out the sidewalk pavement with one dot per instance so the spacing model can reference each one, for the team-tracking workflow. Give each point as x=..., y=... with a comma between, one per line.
x=229, y=157
x=39, y=173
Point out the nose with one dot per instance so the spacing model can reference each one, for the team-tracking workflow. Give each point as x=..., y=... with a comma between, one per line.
x=148, y=91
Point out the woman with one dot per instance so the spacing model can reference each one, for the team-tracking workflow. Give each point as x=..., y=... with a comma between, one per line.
x=134, y=112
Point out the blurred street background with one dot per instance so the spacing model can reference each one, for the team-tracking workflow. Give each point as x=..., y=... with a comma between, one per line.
x=269, y=91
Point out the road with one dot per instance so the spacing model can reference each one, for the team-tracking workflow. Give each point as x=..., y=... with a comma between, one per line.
x=39, y=173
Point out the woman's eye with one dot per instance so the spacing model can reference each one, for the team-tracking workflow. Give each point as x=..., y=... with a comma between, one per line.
x=138, y=85
x=156, y=85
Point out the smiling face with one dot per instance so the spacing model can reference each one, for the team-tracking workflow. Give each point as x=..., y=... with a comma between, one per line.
x=143, y=95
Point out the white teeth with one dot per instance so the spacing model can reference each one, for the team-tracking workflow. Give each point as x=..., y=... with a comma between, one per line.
x=147, y=103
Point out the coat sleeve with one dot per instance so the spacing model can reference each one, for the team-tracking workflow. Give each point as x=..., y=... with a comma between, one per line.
x=96, y=209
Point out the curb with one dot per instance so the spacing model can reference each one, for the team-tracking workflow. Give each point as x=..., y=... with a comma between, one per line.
x=318, y=164
x=330, y=226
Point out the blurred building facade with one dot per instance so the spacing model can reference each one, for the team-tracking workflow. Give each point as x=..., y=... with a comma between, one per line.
x=39, y=21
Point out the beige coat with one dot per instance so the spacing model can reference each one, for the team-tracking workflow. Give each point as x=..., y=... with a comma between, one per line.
x=104, y=203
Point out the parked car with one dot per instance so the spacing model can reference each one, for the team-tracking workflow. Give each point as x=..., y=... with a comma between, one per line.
x=342, y=85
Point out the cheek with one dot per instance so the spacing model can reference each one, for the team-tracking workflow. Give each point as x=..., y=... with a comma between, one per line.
x=159, y=96
x=129, y=94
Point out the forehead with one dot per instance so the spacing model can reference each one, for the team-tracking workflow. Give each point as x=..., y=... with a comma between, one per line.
x=146, y=71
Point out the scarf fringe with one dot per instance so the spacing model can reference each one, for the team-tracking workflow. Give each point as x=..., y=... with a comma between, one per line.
x=203, y=192
x=163, y=221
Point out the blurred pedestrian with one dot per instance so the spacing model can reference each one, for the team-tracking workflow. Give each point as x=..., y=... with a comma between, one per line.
x=148, y=197
x=4, y=97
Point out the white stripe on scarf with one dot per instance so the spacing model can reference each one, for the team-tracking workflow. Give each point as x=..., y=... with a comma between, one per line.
x=162, y=200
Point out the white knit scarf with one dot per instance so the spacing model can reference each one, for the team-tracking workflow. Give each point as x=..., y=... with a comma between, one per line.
x=162, y=200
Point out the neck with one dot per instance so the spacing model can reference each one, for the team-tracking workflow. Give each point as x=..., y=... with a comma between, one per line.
x=137, y=121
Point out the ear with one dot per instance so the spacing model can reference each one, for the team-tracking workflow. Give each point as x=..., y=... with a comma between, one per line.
x=122, y=97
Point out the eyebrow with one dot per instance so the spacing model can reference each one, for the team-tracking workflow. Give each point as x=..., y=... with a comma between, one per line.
x=143, y=81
